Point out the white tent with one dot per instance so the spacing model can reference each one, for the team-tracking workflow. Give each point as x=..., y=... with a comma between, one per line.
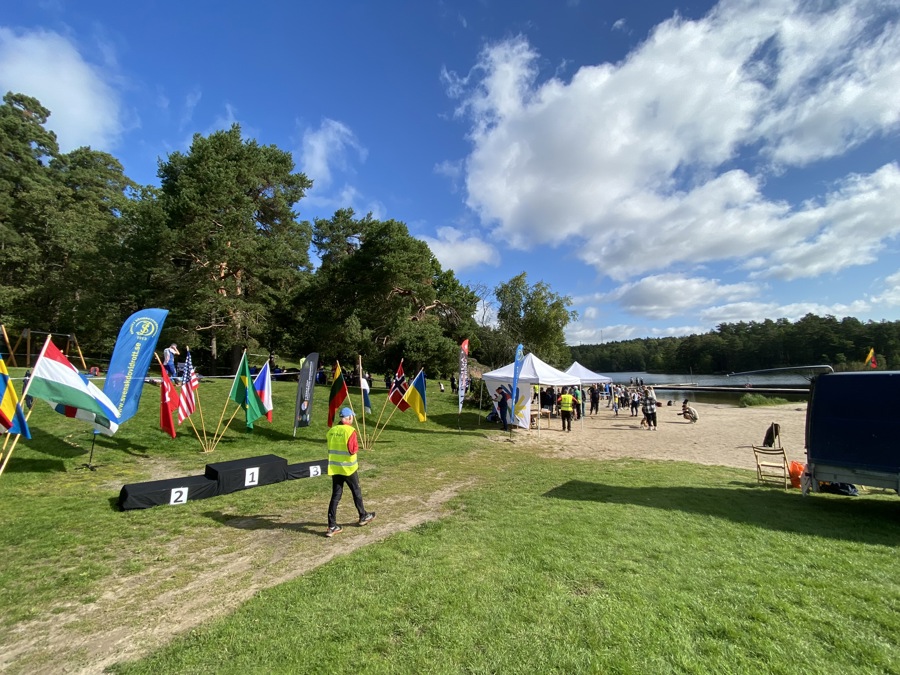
x=534, y=371
x=586, y=376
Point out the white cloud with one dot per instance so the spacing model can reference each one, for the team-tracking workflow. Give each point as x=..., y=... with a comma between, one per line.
x=667, y=295
x=85, y=108
x=891, y=295
x=326, y=149
x=456, y=251
x=660, y=162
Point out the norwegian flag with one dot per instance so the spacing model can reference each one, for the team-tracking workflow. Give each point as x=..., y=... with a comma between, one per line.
x=398, y=389
x=187, y=401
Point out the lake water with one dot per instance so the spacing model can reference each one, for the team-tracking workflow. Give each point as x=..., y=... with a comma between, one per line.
x=659, y=380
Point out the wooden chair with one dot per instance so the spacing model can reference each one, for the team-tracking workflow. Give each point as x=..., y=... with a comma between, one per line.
x=772, y=466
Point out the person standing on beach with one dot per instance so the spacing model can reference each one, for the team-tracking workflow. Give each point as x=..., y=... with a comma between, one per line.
x=343, y=447
x=502, y=407
x=648, y=404
x=635, y=403
x=566, y=404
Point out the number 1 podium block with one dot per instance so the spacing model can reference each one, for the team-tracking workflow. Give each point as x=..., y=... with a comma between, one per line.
x=240, y=474
x=169, y=491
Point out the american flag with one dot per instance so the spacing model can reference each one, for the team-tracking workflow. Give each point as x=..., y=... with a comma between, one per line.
x=189, y=383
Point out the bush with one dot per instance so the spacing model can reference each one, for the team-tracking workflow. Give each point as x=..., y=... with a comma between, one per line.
x=749, y=400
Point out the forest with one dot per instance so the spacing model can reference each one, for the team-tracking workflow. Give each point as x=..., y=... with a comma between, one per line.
x=739, y=347
x=220, y=245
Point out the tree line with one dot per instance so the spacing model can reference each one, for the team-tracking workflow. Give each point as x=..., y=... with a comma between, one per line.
x=220, y=245
x=743, y=346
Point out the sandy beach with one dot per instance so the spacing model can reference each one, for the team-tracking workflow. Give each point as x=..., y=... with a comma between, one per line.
x=723, y=435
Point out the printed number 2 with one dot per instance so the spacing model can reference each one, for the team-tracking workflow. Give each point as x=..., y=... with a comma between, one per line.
x=251, y=477
x=178, y=496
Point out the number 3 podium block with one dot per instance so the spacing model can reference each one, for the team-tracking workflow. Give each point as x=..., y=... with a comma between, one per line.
x=240, y=474
x=168, y=491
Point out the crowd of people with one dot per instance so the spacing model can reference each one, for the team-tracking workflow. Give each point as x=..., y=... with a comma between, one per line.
x=571, y=403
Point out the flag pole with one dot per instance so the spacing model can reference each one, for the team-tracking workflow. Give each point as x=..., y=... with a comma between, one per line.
x=222, y=435
x=24, y=393
x=396, y=408
x=216, y=436
x=384, y=405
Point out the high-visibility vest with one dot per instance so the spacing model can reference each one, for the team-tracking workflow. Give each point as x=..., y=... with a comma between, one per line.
x=340, y=461
x=565, y=402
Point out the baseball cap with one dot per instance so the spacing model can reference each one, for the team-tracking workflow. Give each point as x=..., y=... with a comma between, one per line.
x=346, y=412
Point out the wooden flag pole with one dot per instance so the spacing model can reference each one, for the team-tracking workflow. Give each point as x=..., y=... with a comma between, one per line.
x=396, y=408
x=362, y=397
x=227, y=424
x=14, y=443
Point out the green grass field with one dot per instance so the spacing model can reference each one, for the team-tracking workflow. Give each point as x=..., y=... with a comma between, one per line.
x=536, y=565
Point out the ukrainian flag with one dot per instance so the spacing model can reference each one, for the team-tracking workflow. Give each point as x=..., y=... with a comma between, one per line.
x=415, y=395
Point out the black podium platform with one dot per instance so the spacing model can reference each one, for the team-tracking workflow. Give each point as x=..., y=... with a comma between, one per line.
x=240, y=474
x=308, y=469
x=169, y=491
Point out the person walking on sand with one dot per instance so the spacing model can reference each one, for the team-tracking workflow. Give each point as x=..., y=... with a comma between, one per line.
x=566, y=404
x=648, y=404
x=343, y=447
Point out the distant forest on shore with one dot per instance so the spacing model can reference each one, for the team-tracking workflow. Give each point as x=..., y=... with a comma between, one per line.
x=736, y=347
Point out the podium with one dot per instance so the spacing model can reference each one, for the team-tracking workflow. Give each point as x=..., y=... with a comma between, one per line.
x=308, y=469
x=168, y=491
x=240, y=474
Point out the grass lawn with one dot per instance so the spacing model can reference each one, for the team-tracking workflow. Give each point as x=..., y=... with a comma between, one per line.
x=541, y=565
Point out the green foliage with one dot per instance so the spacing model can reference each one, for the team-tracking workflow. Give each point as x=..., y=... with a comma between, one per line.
x=750, y=400
x=752, y=346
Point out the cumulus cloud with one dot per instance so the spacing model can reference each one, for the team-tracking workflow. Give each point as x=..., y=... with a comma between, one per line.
x=327, y=149
x=662, y=160
x=85, y=108
x=457, y=251
x=667, y=295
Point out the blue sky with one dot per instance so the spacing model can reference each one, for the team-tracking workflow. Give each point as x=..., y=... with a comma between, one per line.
x=667, y=166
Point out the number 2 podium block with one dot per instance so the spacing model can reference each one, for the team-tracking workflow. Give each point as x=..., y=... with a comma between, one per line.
x=169, y=491
x=240, y=474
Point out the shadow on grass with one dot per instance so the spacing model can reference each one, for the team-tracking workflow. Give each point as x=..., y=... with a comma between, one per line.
x=26, y=465
x=870, y=521
x=265, y=522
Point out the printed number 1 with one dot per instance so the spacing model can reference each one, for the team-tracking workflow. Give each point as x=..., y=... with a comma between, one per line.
x=178, y=496
x=251, y=477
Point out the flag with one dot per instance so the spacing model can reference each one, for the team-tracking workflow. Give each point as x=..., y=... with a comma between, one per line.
x=337, y=395
x=187, y=401
x=131, y=359
x=517, y=370
x=168, y=404
x=305, y=390
x=364, y=385
x=870, y=359
x=415, y=395
x=398, y=389
x=463, y=371
x=243, y=393
x=263, y=385
x=69, y=392
x=12, y=419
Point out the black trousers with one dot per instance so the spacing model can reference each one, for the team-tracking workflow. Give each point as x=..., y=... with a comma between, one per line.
x=337, y=489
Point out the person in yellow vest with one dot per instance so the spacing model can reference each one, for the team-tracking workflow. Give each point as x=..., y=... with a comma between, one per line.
x=342, y=467
x=566, y=404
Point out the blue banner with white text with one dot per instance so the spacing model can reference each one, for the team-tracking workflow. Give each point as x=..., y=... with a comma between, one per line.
x=131, y=359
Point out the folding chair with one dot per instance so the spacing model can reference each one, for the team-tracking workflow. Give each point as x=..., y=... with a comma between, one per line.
x=772, y=466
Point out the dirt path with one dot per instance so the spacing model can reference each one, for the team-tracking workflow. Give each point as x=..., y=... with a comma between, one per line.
x=190, y=585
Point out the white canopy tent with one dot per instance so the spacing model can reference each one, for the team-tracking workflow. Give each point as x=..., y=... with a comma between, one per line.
x=534, y=371
x=587, y=376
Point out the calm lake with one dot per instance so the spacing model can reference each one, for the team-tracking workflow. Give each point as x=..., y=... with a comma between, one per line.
x=659, y=380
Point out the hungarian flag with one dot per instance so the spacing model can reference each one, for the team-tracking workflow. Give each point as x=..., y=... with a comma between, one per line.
x=168, y=404
x=398, y=389
x=263, y=385
x=69, y=392
x=12, y=418
x=337, y=395
x=243, y=393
